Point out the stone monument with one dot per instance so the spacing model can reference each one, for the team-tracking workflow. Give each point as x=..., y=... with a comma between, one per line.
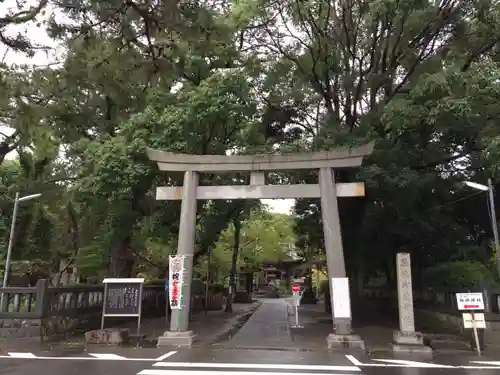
x=406, y=339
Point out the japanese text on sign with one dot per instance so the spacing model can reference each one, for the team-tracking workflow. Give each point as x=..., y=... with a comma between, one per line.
x=405, y=293
x=470, y=301
x=176, y=273
x=474, y=320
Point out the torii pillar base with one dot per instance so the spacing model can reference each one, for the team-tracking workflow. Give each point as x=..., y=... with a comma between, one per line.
x=345, y=342
x=410, y=343
x=176, y=339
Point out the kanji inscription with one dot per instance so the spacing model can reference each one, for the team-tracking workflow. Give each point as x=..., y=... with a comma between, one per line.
x=405, y=293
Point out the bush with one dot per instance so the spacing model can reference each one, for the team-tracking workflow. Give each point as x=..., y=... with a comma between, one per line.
x=242, y=296
x=155, y=282
x=308, y=297
x=216, y=288
x=462, y=274
x=324, y=287
x=197, y=287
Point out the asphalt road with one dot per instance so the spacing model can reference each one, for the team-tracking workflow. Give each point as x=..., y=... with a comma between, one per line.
x=217, y=361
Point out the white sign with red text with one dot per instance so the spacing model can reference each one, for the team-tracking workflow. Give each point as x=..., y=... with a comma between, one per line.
x=470, y=301
x=176, y=273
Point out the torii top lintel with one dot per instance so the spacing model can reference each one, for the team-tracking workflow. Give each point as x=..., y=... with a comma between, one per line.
x=343, y=158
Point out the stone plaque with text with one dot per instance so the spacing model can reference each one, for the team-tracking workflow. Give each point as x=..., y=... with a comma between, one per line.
x=405, y=293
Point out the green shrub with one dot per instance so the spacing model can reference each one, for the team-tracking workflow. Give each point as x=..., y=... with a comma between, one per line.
x=155, y=282
x=197, y=287
x=324, y=287
x=460, y=274
x=216, y=288
x=242, y=296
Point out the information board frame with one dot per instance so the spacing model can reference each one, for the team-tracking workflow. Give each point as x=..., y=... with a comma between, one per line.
x=125, y=281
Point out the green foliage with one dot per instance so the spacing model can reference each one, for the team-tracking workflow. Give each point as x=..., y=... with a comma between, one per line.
x=264, y=237
x=459, y=274
x=420, y=79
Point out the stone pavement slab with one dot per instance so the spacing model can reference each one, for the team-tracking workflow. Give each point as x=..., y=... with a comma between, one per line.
x=267, y=328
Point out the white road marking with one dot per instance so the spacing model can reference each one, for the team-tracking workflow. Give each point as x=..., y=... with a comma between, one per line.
x=413, y=363
x=215, y=365
x=107, y=356
x=356, y=362
x=84, y=358
x=21, y=355
x=491, y=363
x=216, y=372
x=165, y=356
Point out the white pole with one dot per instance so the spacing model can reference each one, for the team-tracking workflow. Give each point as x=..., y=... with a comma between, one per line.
x=296, y=316
x=11, y=240
x=9, y=249
x=493, y=218
x=476, y=336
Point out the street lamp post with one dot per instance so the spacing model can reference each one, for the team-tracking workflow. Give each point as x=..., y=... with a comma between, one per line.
x=17, y=200
x=493, y=216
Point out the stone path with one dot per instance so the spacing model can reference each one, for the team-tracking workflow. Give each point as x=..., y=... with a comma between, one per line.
x=268, y=328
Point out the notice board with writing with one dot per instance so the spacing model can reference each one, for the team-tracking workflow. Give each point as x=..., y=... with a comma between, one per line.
x=122, y=297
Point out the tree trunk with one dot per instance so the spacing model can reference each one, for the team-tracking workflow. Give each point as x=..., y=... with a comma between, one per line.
x=249, y=284
x=122, y=261
x=234, y=263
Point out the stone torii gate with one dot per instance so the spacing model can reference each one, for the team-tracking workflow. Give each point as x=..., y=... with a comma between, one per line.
x=257, y=165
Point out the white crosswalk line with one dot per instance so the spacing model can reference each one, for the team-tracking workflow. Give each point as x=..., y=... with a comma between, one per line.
x=413, y=363
x=166, y=355
x=106, y=356
x=491, y=363
x=217, y=372
x=263, y=366
x=21, y=355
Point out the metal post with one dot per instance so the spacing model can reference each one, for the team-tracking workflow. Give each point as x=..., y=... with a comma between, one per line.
x=476, y=336
x=139, y=310
x=11, y=241
x=494, y=225
x=296, y=315
x=9, y=248
x=104, y=299
x=167, y=298
x=206, y=280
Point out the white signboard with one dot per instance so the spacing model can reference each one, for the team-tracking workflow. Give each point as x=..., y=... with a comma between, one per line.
x=175, y=284
x=341, y=300
x=470, y=301
x=474, y=320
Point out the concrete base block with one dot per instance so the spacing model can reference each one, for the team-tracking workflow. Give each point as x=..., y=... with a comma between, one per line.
x=177, y=339
x=345, y=342
x=409, y=343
